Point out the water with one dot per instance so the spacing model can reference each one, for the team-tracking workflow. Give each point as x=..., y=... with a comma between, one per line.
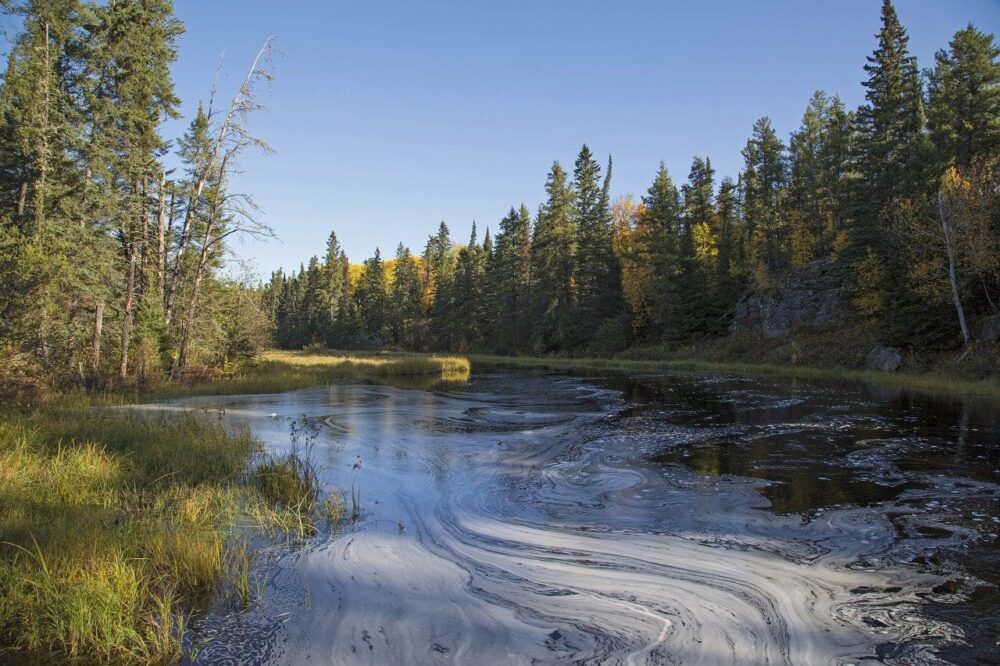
x=660, y=519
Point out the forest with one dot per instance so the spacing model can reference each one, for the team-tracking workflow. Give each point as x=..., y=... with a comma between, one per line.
x=115, y=238
x=900, y=194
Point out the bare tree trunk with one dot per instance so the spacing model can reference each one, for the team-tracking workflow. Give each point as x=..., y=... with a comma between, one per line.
x=185, y=348
x=95, y=346
x=127, y=312
x=198, y=185
x=952, y=272
x=22, y=198
x=161, y=241
x=144, y=236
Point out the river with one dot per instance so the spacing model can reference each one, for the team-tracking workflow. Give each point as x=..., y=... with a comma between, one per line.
x=666, y=518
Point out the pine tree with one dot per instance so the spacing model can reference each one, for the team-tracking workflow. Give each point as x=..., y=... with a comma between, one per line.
x=372, y=300
x=511, y=278
x=597, y=276
x=964, y=93
x=331, y=290
x=892, y=121
x=406, y=300
x=728, y=271
x=467, y=295
x=439, y=274
x=697, y=313
x=659, y=240
x=554, y=253
x=763, y=177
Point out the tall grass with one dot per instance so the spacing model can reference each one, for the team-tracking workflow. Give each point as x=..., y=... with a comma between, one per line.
x=933, y=384
x=114, y=526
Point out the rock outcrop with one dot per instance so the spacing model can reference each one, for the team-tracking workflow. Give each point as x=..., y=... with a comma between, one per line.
x=989, y=329
x=805, y=297
x=884, y=359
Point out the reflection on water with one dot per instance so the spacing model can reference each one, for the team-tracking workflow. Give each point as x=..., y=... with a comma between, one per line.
x=673, y=518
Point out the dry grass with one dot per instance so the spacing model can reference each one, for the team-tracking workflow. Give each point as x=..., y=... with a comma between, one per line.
x=114, y=526
x=934, y=383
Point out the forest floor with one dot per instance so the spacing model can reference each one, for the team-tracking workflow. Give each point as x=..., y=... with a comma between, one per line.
x=116, y=526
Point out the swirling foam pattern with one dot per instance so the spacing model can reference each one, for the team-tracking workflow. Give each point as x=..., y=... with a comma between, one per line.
x=522, y=521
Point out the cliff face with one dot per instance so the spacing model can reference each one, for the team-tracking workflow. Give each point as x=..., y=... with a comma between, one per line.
x=805, y=297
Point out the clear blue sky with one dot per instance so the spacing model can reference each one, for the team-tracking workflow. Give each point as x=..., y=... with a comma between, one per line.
x=388, y=117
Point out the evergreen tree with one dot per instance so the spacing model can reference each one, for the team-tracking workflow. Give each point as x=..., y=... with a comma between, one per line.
x=659, y=241
x=439, y=274
x=467, y=295
x=728, y=270
x=554, y=254
x=406, y=300
x=331, y=290
x=964, y=94
x=372, y=300
x=511, y=279
x=697, y=313
x=763, y=177
x=598, y=279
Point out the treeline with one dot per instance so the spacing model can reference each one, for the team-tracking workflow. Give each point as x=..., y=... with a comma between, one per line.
x=901, y=194
x=109, y=259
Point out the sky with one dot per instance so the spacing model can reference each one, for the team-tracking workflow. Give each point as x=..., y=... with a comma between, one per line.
x=388, y=117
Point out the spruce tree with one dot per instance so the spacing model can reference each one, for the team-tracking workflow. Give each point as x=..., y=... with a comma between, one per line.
x=597, y=277
x=406, y=300
x=659, y=240
x=554, y=268
x=964, y=98
x=763, y=178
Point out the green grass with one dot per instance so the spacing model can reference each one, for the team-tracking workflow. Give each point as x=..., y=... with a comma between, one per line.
x=277, y=371
x=115, y=527
x=930, y=383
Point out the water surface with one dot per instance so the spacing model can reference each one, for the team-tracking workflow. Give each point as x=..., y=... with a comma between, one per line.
x=660, y=519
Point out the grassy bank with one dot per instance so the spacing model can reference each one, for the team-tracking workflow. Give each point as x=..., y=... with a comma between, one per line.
x=278, y=370
x=115, y=527
x=935, y=383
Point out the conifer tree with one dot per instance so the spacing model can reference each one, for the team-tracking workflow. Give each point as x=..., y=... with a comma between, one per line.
x=763, y=177
x=406, y=300
x=554, y=268
x=372, y=300
x=659, y=239
x=964, y=93
x=597, y=277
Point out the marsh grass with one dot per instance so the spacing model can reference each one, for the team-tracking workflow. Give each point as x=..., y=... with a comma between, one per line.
x=929, y=383
x=115, y=526
x=277, y=371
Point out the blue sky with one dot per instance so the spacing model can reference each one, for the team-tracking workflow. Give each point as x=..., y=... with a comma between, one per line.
x=387, y=117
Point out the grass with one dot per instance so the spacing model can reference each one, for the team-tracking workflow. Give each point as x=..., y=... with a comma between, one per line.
x=115, y=527
x=277, y=371
x=931, y=383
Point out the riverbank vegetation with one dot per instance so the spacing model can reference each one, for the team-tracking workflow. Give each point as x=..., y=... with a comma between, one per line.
x=118, y=526
x=899, y=196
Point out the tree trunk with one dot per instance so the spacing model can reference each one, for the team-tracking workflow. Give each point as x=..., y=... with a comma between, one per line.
x=161, y=240
x=95, y=347
x=182, y=356
x=144, y=235
x=952, y=271
x=127, y=313
x=22, y=198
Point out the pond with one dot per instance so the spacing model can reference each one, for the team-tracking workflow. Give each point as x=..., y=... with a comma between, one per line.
x=663, y=518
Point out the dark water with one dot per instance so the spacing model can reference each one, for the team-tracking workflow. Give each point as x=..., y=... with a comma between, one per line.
x=656, y=519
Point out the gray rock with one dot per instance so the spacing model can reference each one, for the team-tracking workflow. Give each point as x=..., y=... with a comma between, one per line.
x=989, y=329
x=884, y=359
x=806, y=297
